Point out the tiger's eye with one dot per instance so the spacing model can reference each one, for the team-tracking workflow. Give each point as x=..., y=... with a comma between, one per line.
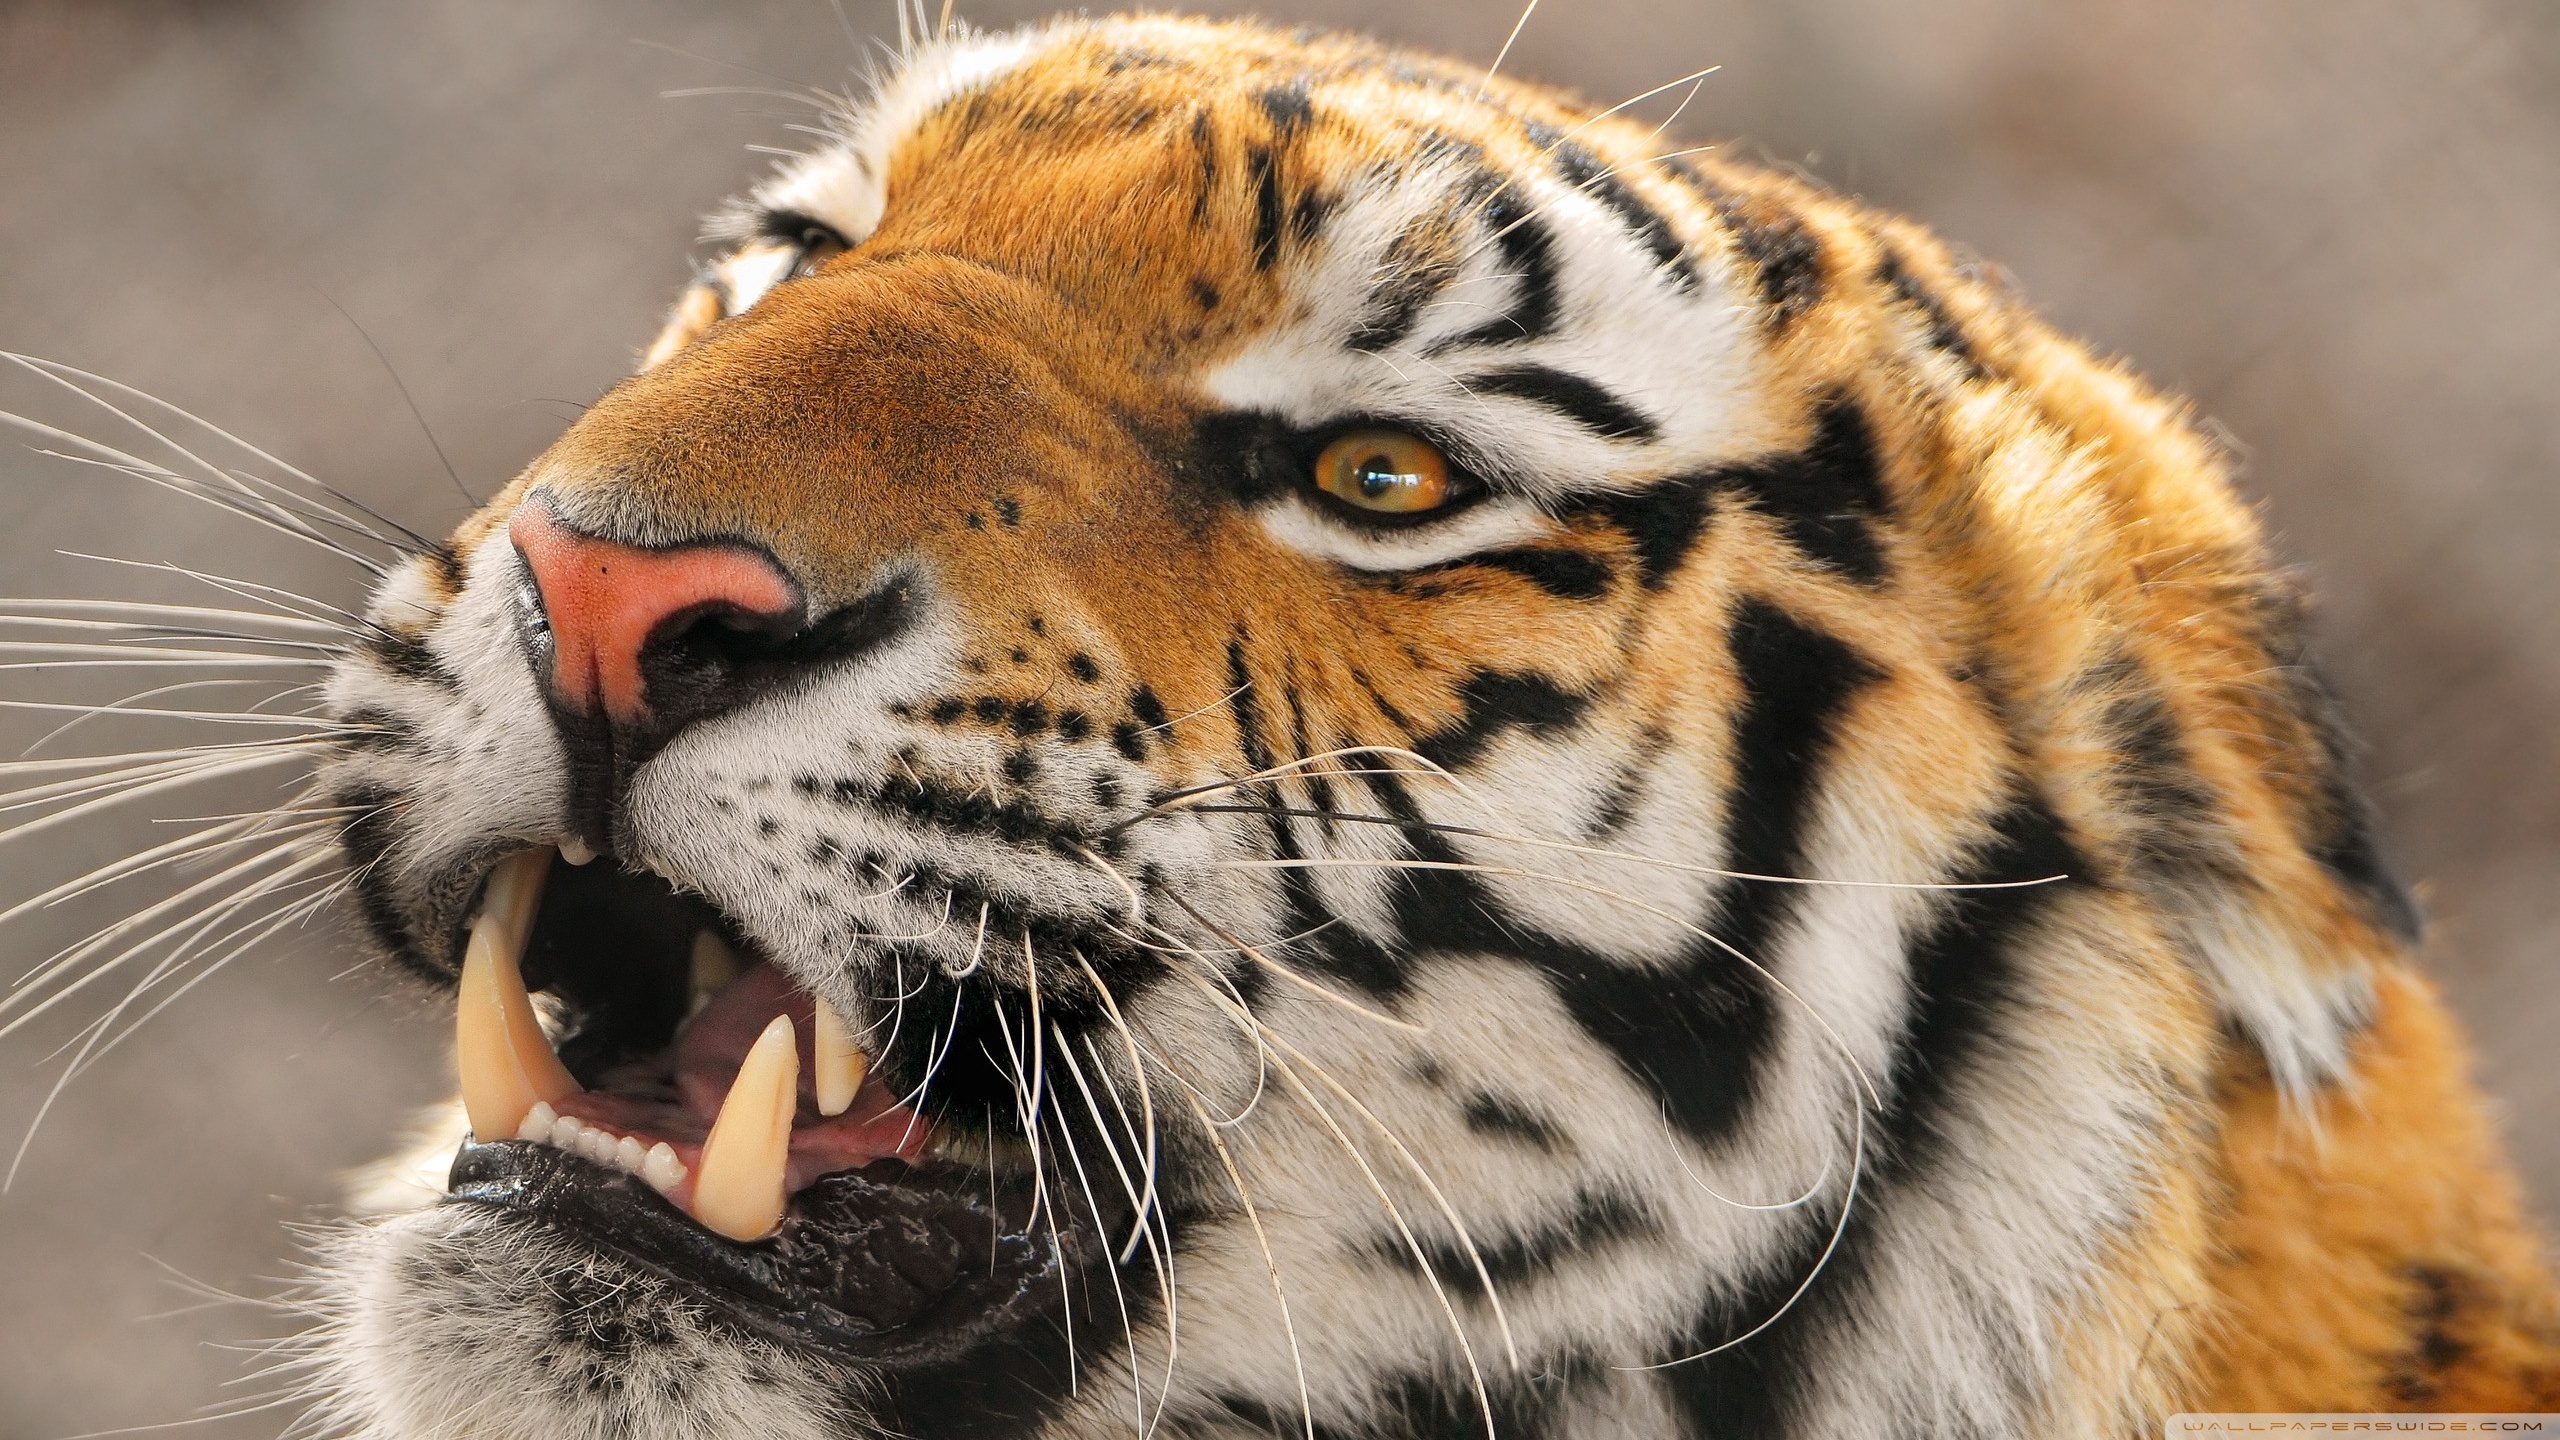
x=1387, y=471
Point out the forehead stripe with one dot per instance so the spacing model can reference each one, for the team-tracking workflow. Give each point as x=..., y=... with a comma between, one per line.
x=1577, y=399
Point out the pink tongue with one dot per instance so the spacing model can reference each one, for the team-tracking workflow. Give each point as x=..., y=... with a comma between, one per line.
x=706, y=1055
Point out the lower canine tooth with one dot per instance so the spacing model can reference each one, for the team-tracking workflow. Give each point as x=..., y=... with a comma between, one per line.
x=506, y=1061
x=838, y=1062
x=738, y=1184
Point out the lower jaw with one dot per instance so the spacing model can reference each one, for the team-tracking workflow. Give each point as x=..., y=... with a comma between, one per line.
x=891, y=1266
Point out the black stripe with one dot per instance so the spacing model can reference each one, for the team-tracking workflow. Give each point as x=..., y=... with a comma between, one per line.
x=1564, y=574
x=1662, y=521
x=1964, y=971
x=447, y=561
x=2338, y=829
x=368, y=837
x=1289, y=107
x=1598, y=1220
x=1528, y=252
x=1944, y=334
x=1827, y=496
x=2177, y=839
x=1794, y=680
x=1584, y=172
x=1340, y=951
x=409, y=657
x=1693, y=1032
x=1205, y=138
x=1319, y=789
x=1570, y=395
x=1491, y=702
x=1266, y=207
x=1307, y=217
x=1785, y=256
x=1696, y=1035
x=1435, y=1406
x=1396, y=304
x=1504, y=1118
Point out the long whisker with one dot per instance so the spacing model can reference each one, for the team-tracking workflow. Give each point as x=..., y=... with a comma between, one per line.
x=915, y=1098
x=207, y=841
x=211, y=839
x=1848, y=1202
x=218, y=717
x=1262, y=1052
x=97, y=1033
x=1146, y=1108
x=299, y=476
x=32, y=985
x=72, y=608
x=291, y=604
x=1632, y=857
x=1180, y=800
x=1422, y=1173
x=1505, y=52
x=1084, y=1181
x=1137, y=909
x=1567, y=882
x=1027, y=1080
x=199, y=661
x=1819, y=1181
x=282, y=519
x=1270, y=1261
x=1148, y=1204
x=1290, y=973
x=1377, y=1187
x=123, y=782
x=254, y=933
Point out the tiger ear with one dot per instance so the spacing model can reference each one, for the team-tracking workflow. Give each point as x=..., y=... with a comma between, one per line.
x=695, y=312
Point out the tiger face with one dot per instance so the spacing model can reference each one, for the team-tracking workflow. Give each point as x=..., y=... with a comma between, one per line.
x=1243, y=733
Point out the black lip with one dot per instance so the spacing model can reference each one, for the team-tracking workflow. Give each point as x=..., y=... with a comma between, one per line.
x=891, y=1266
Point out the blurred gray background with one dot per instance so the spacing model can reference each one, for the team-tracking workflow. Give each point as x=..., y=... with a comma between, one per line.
x=2335, y=224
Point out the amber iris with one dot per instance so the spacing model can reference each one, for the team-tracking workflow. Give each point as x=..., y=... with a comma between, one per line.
x=1386, y=471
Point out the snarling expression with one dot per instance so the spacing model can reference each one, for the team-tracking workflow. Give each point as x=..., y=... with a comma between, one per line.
x=1144, y=776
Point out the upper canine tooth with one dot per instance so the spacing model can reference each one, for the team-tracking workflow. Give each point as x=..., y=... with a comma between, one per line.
x=506, y=1061
x=738, y=1182
x=839, y=1062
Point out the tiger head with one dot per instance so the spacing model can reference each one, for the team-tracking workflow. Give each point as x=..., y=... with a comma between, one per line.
x=1243, y=733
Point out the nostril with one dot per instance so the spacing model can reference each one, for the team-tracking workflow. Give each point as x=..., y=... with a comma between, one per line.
x=610, y=609
x=725, y=631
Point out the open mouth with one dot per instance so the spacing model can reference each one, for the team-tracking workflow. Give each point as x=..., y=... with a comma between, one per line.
x=708, y=1119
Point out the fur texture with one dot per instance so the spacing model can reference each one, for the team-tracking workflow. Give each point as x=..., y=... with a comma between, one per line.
x=1489, y=1070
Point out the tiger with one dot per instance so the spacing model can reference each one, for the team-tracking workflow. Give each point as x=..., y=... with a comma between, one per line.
x=1242, y=733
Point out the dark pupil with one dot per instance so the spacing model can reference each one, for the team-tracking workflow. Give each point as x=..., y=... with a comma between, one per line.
x=1379, y=475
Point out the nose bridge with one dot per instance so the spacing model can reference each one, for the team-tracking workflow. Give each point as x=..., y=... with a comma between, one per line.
x=606, y=602
x=848, y=417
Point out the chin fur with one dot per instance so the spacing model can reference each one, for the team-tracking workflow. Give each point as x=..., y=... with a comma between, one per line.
x=447, y=1323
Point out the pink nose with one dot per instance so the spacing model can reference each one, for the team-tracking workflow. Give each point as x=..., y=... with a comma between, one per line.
x=608, y=603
